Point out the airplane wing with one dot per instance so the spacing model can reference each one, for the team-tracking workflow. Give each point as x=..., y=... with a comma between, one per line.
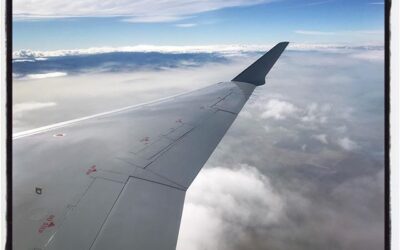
x=117, y=180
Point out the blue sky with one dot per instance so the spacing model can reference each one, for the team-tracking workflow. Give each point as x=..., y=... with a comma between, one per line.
x=51, y=27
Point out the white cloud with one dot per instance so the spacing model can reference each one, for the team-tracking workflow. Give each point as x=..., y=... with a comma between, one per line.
x=370, y=55
x=278, y=109
x=222, y=48
x=347, y=144
x=28, y=106
x=186, y=25
x=23, y=60
x=154, y=19
x=315, y=113
x=245, y=113
x=227, y=49
x=40, y=59
x=134, y=11
x=45, y=75
x=223, y=202
x=321, y=137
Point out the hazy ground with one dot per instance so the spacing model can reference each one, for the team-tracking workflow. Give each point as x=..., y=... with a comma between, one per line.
x=301, y=167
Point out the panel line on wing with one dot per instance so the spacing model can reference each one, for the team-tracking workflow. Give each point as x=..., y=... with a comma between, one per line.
x=160, y=183
x=227, y=111
x=220, y=99
x=108, y=214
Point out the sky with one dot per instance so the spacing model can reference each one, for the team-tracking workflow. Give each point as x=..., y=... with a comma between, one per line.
x=302, y=165
x=60, y=24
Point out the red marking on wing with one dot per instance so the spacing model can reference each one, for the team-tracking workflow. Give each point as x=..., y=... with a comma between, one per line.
x=48, y=223
x=145, y=140
x=91, y=170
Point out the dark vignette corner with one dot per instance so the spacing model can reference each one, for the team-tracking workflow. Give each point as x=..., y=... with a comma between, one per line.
x=388, y=4
x=8, y=24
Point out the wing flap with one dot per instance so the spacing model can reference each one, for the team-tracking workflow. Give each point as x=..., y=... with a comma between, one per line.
x=83, y=222
x=146, y=216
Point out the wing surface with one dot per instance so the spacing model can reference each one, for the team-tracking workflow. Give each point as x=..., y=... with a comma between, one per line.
x=118, y=180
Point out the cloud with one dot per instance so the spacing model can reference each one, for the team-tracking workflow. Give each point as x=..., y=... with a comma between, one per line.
x=23, y=60
x=45, y=75
x=228, y=49
x=154, y=19
x=278, y=109
x=314, y=33
x=322, y=138
x=111, y=62
x=26, y=53
x=371, y=55
x=186, y=25
x=132, y=11
x=319, y=3
x=43, y=64
x=29, y=106
x=347, y=144
x=377, y=3
x=223, y=202
x=358, y=33
x=315, y=113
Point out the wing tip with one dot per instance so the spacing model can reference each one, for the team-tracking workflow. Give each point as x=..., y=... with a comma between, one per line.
x=256, y=72
x=284, y=43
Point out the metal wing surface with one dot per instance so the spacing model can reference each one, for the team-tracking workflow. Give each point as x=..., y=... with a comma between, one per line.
x=117, y=180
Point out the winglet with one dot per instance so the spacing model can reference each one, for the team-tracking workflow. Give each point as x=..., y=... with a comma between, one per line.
x=256, y=73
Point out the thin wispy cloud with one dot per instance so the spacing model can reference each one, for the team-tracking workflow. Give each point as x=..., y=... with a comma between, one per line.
x=319, y=3
x=155, y=19
x=186, y=25
x=46, y=75
x=340, y=32
x=377, y=3
x=133, y=11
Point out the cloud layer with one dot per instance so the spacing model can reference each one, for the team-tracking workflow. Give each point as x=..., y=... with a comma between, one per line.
x=133, y=11
x=301, y=167
x=228, y=49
